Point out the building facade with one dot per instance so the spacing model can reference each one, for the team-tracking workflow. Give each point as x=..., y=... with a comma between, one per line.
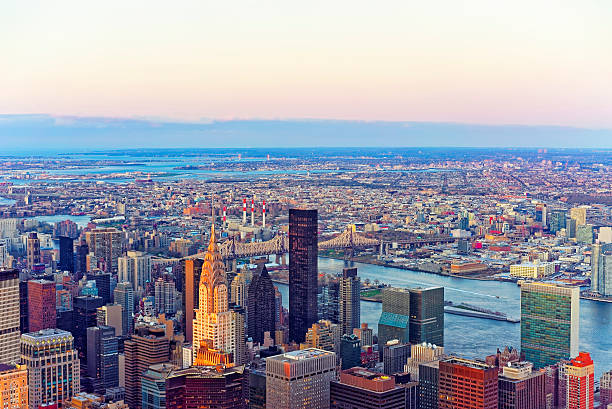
x=394, y=321
x=9, y=316
x=124, y=296
x=350, y=300
x=519, y=387
x=300, y=379
x=303, y=259
x=41, y=305
x=261, y=306
x=580, y=382
x=427, y=315
x=549, y=322
x=13, y=386
x=467, y=384
x=103, y=358
x=53, y=366
x=359, y=388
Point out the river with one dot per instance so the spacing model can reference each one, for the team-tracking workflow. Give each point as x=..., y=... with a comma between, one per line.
x=475, y=337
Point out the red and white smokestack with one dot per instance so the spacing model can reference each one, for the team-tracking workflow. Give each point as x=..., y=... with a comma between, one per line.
x=252, y=212
x=244, y=212
x=264, y=213
x=224, y=214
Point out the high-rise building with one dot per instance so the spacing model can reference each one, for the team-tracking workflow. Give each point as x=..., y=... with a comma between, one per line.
x=570, y=228
x=206, y=387
x=239, y=319
x=9, y=316
x=578, y=214
x=66, y=254
x=350, y=301
x=153, y=384
x=105, y=245
x=85, y=316
x=303, y=258
x=350, y=351
x=585, y=234
x=103, y=358
x=549, y=322
x=365, y=334
x=467, y=384
x=323, y=334
x=395, y=356
x=557, y=220
x=429, y=385
x=214, y=325
x=103, y=284
x=238, y=290
x=257, y=384
x=601, y=269
x=4, y=255
x=81, y=252
x=580, y=382
x=192, y=269
x=359, y=388
x=261, y=306
x=13, y=386
x=605, y=389
x=124, y=296
x=300, y=379
x=111, y=315
x=148, y=347
x=519, y=387
x=427, y=315
x=41, y=305
x=394, y=321
x=419, y=354
x=135, y=268
x=164, y=296
x=53, y=366
x=33, y=250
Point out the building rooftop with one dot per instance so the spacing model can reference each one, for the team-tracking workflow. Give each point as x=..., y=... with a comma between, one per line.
x=468, y=363
x=47, y=335
x=300, y=355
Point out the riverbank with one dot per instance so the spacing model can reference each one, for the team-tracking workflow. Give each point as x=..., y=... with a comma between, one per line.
x=411, y=268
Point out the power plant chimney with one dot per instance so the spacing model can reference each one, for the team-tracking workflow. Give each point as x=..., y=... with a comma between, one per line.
x=252, y=212
x=244, y=212
x=264, y=214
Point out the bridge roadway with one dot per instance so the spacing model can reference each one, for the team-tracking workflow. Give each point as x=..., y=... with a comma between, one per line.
x=349, y=240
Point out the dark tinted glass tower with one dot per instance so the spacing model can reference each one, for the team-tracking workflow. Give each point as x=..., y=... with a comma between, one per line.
x=191, y=297
x=303, y=253
x=66, y=253
x=81, y=258
x=427, y=315
x=103, y=357
x=85, y=316
x=261, y=306
x=103, y=284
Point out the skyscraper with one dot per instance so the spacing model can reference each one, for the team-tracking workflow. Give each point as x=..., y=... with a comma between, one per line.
x=105, y=245
x=323, y=334
x=103, y=284
x=148, y=347
x=238, y=290
x=395, y=356
x=427, y=315
x=549, y=322
x=53, y=366
x=519, y=387
x=66, y=253
x=13, y=386
x=350, y=351
x=111, y=315
x=601, y=269
x=82, y=250
x=303, y=253
x=103, y=358
x=214, y=324
x=557, y=220
x=33, y=250
x=135, y=268
x=124, y=296
x=350, y=301
x=192, y=269
x=365, y=334
x=578, y=214
x=41, y=305
x=580, y=382
x=300, y=379
x=467, y=384
x=429, y=384
x=395, y=318
x=261, y=305
x=9, y=316
x=85, y=316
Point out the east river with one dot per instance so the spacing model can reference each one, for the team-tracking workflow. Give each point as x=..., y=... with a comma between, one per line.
x=476, y=337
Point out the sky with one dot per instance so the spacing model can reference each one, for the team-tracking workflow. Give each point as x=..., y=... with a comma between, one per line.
x=472, y=62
